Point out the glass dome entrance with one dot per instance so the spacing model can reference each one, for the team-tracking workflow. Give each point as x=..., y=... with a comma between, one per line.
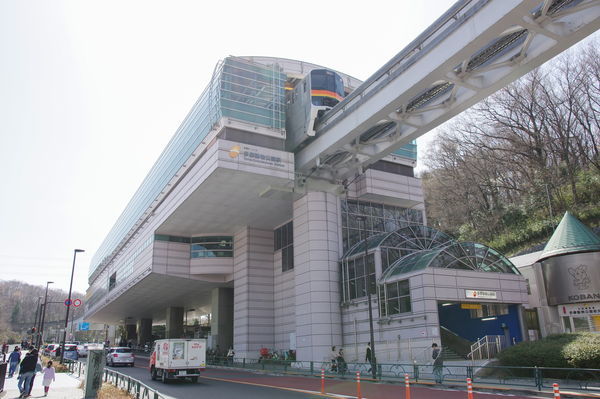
x=457, y=255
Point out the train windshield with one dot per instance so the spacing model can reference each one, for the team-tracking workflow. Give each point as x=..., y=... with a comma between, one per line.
x=327, y=87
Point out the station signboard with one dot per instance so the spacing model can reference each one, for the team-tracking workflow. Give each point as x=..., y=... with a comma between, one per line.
x=470, y=306
x=480, y=294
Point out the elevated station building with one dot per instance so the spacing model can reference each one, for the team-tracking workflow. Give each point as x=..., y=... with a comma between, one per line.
x=223, y=225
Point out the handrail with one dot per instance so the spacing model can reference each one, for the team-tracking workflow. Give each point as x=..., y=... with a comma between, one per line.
x=492, y=345
x=132, y=386
x=122, y=381
x=534, y=378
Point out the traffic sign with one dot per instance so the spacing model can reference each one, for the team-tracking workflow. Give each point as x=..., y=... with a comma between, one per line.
x=76, y=302
x=84, y=326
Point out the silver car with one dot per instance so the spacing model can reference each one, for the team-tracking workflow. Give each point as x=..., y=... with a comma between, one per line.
x=82, y=350
x=120, y=355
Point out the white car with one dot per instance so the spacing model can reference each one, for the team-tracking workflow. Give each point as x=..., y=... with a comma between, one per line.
x=120, y=355
x=82, y=350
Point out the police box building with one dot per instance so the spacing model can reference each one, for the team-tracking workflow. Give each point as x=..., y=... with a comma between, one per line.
x=224, y=226
x=564, y=281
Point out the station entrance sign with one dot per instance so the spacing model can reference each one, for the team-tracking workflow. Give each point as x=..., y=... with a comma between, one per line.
x=479, y=294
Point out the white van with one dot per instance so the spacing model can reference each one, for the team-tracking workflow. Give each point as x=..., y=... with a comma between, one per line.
x=178, y=358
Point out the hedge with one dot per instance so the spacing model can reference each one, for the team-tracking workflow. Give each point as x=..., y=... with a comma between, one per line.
x=580, y=350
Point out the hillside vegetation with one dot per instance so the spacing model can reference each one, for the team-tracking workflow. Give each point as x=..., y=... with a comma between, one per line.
x=505, y=171
x=18, y=302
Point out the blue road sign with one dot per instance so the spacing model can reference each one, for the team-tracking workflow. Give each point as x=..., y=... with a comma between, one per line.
x=85, y=326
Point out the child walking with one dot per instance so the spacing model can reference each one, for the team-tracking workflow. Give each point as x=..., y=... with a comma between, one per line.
x=49, y=376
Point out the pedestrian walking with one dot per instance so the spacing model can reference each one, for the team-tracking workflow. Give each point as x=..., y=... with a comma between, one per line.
x=38, y=369
x=230, y=355
x=49, y=375
x=438, y=363
x=26, y=373
x=13, y=361
x=333, y=359
x=342, y=367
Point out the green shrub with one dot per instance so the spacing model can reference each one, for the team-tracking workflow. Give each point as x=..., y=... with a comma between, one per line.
x=584, y=352
x=581, y=350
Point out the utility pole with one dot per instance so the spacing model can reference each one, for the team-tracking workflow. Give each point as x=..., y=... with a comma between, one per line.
x=38, y=325
x=62, y=345
x=41, y=335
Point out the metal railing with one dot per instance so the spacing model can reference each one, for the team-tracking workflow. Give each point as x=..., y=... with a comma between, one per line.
x=487, y=347
x=132, y=386
x=507, y=376
x=518, y=377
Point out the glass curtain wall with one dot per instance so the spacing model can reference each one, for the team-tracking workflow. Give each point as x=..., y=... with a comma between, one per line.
x=394, y=298
x=253, y=93
x=358, y=277
x=379, y=218
x=239, y=89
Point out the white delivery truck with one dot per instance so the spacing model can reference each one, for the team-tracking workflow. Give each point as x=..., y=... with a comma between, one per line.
x=178, y=358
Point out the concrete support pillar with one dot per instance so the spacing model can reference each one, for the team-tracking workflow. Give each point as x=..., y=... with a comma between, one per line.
x=317, y=275
x=111, y=336
x=144, y=331
x=131, y=333
x=174, y=325
x=221, y=325
x=253, y=308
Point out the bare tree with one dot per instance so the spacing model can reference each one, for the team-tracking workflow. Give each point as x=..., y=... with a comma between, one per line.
x=519, y=151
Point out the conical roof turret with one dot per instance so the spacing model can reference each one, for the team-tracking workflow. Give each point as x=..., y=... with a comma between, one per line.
x=570, y=236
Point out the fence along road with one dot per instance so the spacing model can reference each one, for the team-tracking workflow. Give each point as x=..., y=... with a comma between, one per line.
x=253, y=382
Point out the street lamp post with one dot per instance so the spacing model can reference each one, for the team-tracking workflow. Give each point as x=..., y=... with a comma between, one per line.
x=372, y=335
x=41, y=334
x=62, y=345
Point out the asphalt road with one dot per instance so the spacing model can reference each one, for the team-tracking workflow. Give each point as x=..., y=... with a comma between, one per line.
x=231, y=383
x=212, y=388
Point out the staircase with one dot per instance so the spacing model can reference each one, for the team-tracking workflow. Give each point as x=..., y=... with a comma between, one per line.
x=454, y=346
x=449, y=355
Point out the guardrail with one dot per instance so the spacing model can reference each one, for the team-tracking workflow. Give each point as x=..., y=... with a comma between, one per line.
x=520, y=377
x=129, y=384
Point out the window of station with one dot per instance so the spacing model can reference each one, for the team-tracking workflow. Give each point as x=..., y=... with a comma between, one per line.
x=112, y=281
x=489, y=310
x=212, y=247
x=284, y=241
x=394, y=298
x=164, y=237
x=380, y=218
x=357, y=278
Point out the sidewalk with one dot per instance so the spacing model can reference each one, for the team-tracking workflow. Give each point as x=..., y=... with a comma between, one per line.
x=65, y=387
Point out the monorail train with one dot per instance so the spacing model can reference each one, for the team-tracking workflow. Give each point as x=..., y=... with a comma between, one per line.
x=317, y=93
